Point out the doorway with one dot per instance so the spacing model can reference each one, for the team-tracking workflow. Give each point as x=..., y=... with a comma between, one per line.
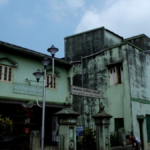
x=141, y=132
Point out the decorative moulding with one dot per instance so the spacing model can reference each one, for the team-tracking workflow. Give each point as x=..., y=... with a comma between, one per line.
x=7, y=59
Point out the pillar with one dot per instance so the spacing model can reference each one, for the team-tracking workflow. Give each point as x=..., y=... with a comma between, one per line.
x=67, y=119
x=35, y=140
x=102, y=122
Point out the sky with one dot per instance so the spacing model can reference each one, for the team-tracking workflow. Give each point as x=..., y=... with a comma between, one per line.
x=39, y=24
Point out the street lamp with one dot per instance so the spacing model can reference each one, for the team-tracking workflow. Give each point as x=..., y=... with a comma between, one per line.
x=38, y=74
x=52, y=50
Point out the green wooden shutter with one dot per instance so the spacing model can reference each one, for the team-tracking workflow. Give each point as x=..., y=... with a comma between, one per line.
x=148, y=126
x=118, y=123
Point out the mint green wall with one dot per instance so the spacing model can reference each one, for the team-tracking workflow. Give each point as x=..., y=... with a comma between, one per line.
x=140, y=109
x=116, y=98
x=139, y=67
x=26, y=67
x=139, y=70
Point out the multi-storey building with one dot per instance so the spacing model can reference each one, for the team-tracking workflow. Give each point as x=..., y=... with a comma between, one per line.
x=120, y=69
x=18, y=86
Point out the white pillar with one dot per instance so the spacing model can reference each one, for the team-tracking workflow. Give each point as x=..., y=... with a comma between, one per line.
x=67, y=119
x=102, y=121
x=35, y=140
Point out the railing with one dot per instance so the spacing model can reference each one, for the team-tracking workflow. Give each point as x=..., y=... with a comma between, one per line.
x=54, y=142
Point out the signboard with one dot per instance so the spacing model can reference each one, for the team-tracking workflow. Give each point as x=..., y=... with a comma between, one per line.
x=75, y=90
x=79, y=131
x=26, y=89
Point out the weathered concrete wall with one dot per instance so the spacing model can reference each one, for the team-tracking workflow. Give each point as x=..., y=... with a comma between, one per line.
x=139, y=70
x=111, y=40
x=141, y=41
x=82, y=45
x=140, y=109
x=116, y=98
x=89, y=42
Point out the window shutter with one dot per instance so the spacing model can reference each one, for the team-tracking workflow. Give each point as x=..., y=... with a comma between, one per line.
x=148, y=126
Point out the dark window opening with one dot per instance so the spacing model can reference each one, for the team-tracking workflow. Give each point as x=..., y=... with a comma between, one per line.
x=119, y=123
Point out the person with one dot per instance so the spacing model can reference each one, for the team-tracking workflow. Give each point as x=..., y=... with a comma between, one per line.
x=136, y=143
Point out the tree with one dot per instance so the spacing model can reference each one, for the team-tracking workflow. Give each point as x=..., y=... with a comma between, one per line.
x=6, y=127
x=22, y=128
x=88, y=139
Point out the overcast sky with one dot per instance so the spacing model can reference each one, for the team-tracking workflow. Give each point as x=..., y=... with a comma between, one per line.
x=37, y=24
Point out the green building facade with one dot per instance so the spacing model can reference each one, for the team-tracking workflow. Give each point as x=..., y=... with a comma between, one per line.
x=119, y=68
x=18, y=86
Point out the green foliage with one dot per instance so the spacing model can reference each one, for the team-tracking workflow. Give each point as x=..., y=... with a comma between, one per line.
x=88, y=141
x=22, y=139
x=13, y=130
x=6, y=127
x=114, y=139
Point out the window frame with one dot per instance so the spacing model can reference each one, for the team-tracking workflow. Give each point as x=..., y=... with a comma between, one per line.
x=49, y=81
x=115, y=74
x=9, y=76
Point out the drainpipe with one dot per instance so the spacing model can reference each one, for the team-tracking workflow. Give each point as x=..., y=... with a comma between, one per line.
x=82, y=105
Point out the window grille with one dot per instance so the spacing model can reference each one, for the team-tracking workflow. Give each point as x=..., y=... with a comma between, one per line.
x=52, y=84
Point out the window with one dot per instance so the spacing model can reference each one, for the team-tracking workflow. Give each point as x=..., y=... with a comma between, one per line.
x=119, y=123
x=116, y=74
x=51, y=85
x=148, y=126
x=6, y=73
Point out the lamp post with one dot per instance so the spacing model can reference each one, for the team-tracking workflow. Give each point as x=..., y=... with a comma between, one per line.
x=52, y=50
x=38, y=74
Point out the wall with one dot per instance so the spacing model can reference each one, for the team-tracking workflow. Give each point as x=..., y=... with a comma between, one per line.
x=89, y=42
x=27, y=64
x=83, y=44
x=141, y=41
x=111, y=40
x=140, y=109
x=116, y=98
x=139, y=70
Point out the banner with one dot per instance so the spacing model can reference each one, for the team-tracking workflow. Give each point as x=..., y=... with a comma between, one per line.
x=75, y=90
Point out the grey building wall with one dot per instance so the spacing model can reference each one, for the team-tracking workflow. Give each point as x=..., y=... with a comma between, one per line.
x=89, y=42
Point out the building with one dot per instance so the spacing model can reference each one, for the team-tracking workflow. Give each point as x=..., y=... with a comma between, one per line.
x=18, y=85
x=120, y=69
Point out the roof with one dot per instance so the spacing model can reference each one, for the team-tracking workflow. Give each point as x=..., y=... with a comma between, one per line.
x=135, y=37
x=114, y=33
x=92, y=31
x=102, y=115
x=68, y=111
x=32, y=52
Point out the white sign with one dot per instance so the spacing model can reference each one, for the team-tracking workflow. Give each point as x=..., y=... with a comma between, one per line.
x=75, y=90
x=26, y=89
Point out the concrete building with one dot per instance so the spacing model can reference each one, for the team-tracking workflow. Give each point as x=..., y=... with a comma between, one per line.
x=120, y=69
x=18, y=85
